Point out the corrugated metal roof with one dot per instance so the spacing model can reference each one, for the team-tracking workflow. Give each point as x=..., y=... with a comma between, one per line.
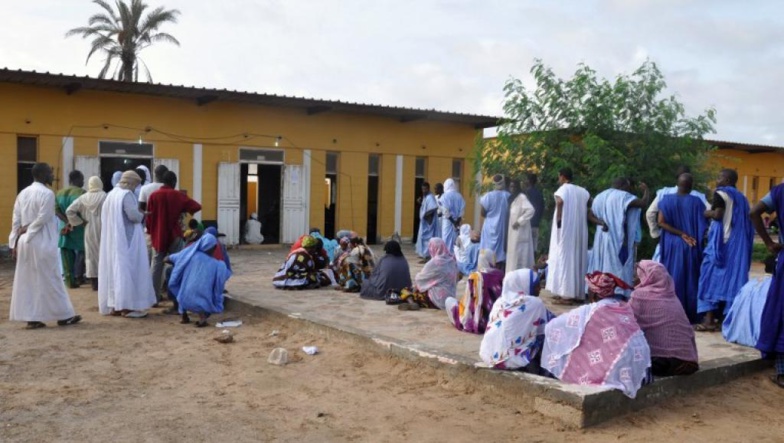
x=748, y=147
x=72, y=84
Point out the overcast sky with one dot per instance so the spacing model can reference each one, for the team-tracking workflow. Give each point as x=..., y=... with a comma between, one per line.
x=449, y=55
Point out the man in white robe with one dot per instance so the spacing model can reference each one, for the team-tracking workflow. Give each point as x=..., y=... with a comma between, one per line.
x=613, y=249
x=86, y=210
x=38, y=293
x=568, y=254
x=452, y=210
x=428, y=222
x=652, y=214
x=253, y=230
x=520, y=245
x=125, y=284
x=495, y=210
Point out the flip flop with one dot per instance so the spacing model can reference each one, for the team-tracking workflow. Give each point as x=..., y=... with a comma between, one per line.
x=136, y=314
x=70, y=321
x=700, y=327
x=35, y=325
x=202, y=324
x=778, y=380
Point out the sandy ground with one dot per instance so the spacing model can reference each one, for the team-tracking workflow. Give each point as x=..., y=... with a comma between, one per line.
x=115, y=379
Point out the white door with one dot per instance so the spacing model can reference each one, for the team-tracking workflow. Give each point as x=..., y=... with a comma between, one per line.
x=294, y=218
x=88, y=166
x=172, y=163
x=229, y=201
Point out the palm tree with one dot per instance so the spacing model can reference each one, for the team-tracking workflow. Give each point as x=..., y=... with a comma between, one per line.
x=123, y=34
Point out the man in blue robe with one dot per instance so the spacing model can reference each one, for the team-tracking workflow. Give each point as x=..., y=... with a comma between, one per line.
x=613, y=249
x=727, y=256
x=452, y=211
x=428, y=222
x=771, y=340
x=197, y=279
x=495, y=210
x=682, y=220
x=651, y=215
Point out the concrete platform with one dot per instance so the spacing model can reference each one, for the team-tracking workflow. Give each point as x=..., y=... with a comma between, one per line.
x=429, y=336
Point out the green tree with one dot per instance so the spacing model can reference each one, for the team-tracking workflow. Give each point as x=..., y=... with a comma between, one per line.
x=601, y=129
x=123, y=33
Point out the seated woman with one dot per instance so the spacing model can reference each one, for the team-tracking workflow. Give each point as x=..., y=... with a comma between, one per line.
x=197, y=280
x=663, y=321
x=355, y=266
x=436, y=282
x=469, y=312
x=742, y=324
x=299, y=270
x=515, y=333
x=471, y=255
x=599, y=343
x=390, y=274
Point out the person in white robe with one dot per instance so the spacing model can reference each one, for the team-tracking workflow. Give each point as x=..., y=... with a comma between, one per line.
x=568, y=253
x=253, y=230
x=519, y=246
x=462, y=242
x=87, y=210
x=428, y=222
x=125, y=284
x=495, y=210
x=38, y=293
x=452, y=211
x=613, y=249
x=652, y=214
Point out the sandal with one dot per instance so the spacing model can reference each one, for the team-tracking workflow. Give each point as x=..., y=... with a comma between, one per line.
x=35, y=325
x=202, y=324
x=70, y=321
x=701, y=327
x=185, y=319
x=778, y=380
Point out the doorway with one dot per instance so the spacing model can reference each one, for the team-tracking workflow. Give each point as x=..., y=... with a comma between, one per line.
x=260, y=193
x=374, y=161
x=109, y=165
x=419, y=180
x=331, y=190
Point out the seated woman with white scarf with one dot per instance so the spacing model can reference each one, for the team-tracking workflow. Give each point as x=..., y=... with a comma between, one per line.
x=436, y=282
x=516, y=327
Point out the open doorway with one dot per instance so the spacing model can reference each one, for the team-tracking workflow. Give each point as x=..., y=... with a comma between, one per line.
x=109, y=165
x=331, y=191
x=261, y=193
x=374, y=161
x=419, y=179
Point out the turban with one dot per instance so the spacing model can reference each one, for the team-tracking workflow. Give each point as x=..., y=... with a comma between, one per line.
x=94, y=184
x=498, y=181
x=129, y=180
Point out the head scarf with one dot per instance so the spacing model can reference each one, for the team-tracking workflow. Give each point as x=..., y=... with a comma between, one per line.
x=254, y=216
x=439, y=276
x=603, y=284
x=515, y=330
x=498, y=181
x=486, y=261
x=129, y=180
x=450, y=186
x=184, y=258
x=94, y=184
x=660, y=314
x=116, y=178
x=309, y=242
x=393, y=248
x=147, y=176
x=465, y=231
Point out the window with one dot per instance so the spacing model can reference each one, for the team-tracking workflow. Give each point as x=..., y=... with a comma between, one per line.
x=754, y=189
x=26, y=156
x=374, y=163
x=332, y=162
x=457, y=173
x=125, y=149
x=419, y=167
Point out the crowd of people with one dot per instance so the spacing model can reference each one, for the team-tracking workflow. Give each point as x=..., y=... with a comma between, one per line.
x=120, y=241
x=632, y=319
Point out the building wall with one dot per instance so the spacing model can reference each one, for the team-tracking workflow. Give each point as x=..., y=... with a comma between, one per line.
x=222, y=128
x=765, y=169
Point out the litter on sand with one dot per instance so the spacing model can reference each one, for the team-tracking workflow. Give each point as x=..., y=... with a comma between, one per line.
x=279, y=356
x=229, y=324
x=274, y=333
x=310, y=350
x=225, y=336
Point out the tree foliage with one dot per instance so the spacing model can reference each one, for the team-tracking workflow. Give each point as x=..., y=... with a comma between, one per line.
x=601, y=129
x=122, y=32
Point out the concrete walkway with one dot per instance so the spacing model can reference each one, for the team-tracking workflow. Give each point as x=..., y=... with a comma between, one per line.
x=429, y=334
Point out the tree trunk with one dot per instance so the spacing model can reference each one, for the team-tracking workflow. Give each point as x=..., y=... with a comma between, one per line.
x=127, y=67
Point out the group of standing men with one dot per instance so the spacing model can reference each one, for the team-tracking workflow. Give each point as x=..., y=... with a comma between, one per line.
x=511, y=227
x=106, y=230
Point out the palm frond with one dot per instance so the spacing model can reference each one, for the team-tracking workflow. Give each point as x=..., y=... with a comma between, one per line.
x=158, y=17
x=108, y=8
x=106, y=65
x=101, y=19
x=146, y=69
x=101, y=42
x=163, y=37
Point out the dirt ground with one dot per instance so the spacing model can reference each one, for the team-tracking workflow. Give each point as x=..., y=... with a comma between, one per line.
x=148, y=380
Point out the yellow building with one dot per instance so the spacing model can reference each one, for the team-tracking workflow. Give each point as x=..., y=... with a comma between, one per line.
x=760, y=167
x=297, y=162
